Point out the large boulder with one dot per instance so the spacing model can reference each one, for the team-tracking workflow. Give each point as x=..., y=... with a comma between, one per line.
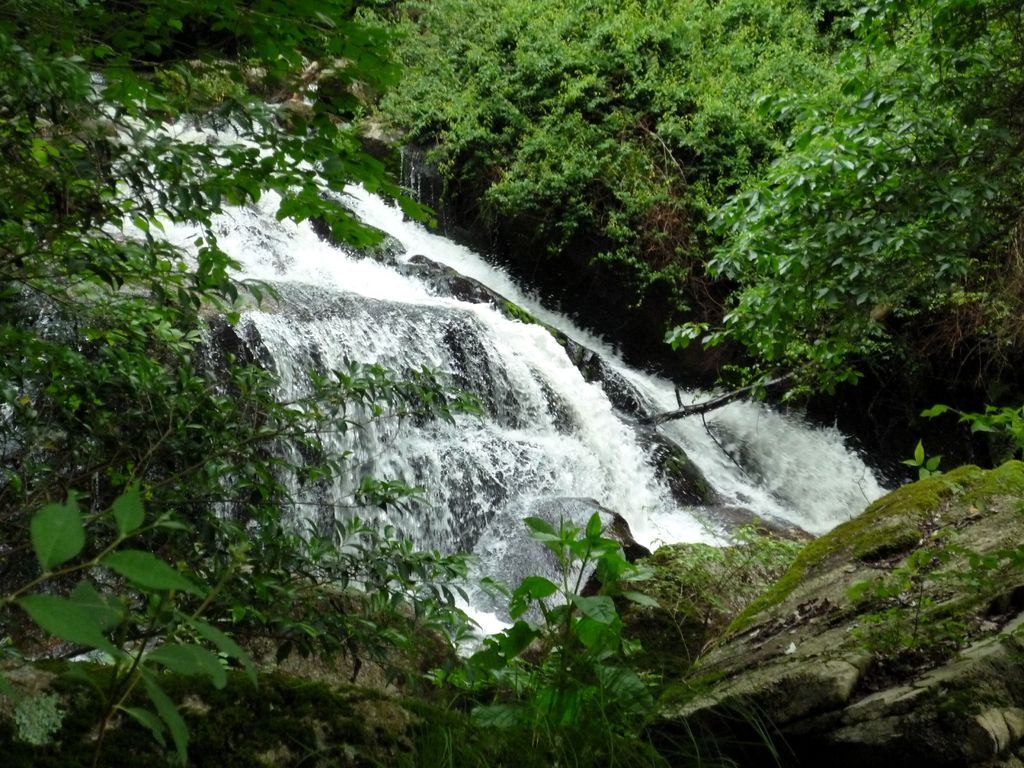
x=892, y=640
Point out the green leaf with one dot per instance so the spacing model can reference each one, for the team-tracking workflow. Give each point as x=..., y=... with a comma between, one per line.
x=169, y=714
x=149, y=720
x=641, y=599
x=107, y=613
x=517, y=638
x=189, y=659
x=600, y=608
x=627, y=689
x=919, y=453
x=148, y=572
x=57, y=533
x=541, y=526
x=590, y=631
x=501, y=716
x=68, y=620
x=537, y=587
x=935, y=410
x=531, y=588
x=594, y=526
x=128, y=512
x=226, y=645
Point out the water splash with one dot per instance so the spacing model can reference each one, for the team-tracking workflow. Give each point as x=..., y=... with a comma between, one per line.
x=548, y=433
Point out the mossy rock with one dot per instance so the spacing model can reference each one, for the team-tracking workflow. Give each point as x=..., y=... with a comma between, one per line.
x=700, y=588
x=896, y=638
x=284, y=722
x=684, y=478
x=893, y=525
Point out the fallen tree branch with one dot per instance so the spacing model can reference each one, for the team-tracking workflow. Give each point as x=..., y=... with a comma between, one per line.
x=699, y=409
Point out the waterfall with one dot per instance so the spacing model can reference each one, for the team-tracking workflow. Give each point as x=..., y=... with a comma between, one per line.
x=547, y=434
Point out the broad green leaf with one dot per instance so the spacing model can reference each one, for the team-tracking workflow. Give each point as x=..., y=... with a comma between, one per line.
x=935, y=410
x=68, y=620
x=539, y=525
x=532, y=588
x=128, y=512
x=641, y=599
x=517, y=638
x=537, y=587
x=225, y=644
x=57, y=533
x=189, y=659
x=590, y=631
x=611, y=565
x=169, y=714
x=148, y=571
x=599, y=607
x=919, y=453
x=580, y=549
x=626, y=688
x=149, y=720
x=594, y=526
x=501, y=716
x=108, y=614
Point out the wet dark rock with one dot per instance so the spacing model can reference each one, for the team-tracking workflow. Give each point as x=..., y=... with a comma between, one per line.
x=688, y=485
x=242, y=342
x=385, y=252
x=449, y=282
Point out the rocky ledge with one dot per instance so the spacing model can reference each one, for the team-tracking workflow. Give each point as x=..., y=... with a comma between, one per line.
x=893, y=640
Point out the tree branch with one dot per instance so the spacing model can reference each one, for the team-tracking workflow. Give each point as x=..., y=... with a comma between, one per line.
x=699, y=409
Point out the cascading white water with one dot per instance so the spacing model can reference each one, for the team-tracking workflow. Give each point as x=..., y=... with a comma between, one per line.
x=773, y=464
x=547, y=434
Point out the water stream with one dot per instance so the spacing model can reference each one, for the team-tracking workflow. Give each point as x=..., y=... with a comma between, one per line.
x=548, y=434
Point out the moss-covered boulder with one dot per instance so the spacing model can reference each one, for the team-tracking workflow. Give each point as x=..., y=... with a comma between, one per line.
x=893, y=639
x=699, y=589
x=283, y=722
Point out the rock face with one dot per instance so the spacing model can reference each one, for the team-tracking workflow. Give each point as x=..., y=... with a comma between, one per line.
x=894, y=640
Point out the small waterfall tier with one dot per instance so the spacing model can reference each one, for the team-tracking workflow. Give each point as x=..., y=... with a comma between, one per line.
x=561, y=413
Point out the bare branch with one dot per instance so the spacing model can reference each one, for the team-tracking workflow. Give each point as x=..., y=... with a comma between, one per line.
x=699, y=409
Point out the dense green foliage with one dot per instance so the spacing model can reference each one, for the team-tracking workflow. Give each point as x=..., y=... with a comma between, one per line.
x=831, y=187
x=580, y=681
x=117, y=389
x=890, y=227
x=619, y=124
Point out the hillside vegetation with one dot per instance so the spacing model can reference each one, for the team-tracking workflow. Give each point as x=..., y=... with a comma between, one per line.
x=831, y=188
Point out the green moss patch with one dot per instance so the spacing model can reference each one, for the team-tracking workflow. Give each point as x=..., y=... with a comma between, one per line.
x=284, y=722
x=892, y=525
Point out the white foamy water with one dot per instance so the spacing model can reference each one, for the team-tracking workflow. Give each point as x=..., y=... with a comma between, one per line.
x=787, y=468
x=546, y=433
